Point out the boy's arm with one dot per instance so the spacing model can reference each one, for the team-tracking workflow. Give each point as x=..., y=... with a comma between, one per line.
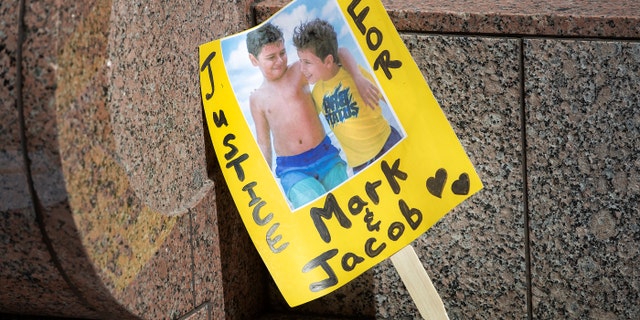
x=262, y=130
x=368, y=90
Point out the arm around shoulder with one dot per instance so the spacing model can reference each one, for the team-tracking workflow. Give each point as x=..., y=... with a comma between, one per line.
x=367, y=89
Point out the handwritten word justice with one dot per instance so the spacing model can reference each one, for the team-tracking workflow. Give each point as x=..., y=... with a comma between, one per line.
x=256, y=202
x=235, y=160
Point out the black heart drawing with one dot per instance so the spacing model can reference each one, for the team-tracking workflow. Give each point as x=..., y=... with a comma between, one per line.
x=436, y=185
x=461, y=186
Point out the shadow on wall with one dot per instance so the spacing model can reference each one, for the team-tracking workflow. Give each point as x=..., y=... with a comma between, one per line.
x=355, y=300
x=4, y=316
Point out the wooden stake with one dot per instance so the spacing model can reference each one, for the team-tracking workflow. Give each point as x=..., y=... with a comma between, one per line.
x=417, y=282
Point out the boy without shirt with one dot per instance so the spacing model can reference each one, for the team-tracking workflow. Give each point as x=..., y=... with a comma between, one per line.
x=307, y=164
x=363, y=132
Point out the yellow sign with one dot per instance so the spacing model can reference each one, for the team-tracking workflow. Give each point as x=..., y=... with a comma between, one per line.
x=334, y=148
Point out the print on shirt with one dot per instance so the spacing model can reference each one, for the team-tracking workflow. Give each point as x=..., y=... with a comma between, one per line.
x=339, y=106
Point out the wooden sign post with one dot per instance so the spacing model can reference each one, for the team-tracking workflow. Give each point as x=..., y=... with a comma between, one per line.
x=419, y=285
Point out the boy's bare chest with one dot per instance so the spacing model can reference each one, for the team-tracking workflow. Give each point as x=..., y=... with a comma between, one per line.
x=283, y=93
x=286, y=99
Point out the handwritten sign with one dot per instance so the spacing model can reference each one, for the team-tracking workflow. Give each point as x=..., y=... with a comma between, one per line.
x=417, y=173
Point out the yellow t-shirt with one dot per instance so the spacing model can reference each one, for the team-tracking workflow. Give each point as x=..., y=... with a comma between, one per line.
x=361, y=130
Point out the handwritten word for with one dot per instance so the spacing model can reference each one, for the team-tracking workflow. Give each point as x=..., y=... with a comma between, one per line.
x=374, y=40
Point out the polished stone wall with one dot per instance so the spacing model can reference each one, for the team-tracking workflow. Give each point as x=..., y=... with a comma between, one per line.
x=118, y=210
x=583, y=133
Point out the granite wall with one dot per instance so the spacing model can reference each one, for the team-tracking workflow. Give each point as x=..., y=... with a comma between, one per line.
x=113, y=205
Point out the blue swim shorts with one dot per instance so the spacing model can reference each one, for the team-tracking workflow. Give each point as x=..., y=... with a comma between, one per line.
x=318, y=163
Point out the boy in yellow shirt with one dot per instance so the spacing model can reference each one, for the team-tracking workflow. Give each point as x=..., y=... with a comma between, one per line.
x=363, y=132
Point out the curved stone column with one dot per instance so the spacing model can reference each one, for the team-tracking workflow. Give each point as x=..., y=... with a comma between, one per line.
x=115, y=212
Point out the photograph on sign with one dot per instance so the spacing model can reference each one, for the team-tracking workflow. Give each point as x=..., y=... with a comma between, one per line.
x=310, y=98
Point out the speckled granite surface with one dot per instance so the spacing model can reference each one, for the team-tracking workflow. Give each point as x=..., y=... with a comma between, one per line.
x=616, y=19
x=584, y=176
x=476, y=254
x=28, y=270
x=135, y=218
x=114, y=232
